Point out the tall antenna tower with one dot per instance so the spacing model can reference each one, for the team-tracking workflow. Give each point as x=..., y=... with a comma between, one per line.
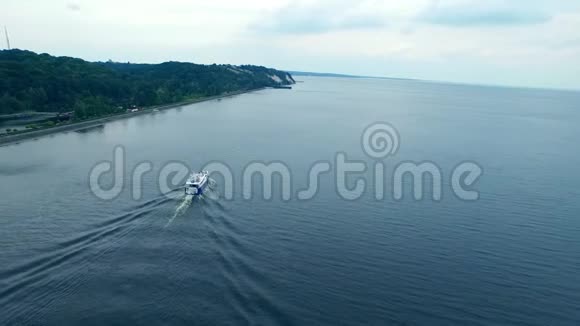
x=7, y=38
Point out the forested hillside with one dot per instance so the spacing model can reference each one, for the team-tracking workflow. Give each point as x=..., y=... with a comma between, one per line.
x=41, y=82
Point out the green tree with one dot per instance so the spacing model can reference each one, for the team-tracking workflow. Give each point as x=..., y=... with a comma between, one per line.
x=29, y=81
x=9, y=104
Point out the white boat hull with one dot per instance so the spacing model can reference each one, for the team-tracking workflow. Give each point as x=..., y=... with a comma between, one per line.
x=196, y=184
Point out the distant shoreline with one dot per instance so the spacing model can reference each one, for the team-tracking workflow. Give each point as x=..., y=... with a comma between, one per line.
x=432, y=81
x=76, y=126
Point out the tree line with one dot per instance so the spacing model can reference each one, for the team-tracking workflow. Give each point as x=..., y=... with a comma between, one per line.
x=44, y=83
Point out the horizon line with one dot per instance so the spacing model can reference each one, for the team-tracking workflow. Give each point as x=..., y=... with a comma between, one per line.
x=437, y=81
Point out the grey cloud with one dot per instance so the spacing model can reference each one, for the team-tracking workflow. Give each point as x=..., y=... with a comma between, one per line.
x=319, y=18
x=489, y=18
x=323, y=16
x=485, y=14
x=73, y=6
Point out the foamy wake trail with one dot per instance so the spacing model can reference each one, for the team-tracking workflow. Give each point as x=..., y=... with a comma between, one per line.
x=209, y=194
x=183, y=206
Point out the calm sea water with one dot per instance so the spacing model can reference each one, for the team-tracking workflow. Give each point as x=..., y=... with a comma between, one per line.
x=510, y=258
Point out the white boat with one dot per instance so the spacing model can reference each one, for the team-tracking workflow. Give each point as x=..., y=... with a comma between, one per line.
x=196, y=183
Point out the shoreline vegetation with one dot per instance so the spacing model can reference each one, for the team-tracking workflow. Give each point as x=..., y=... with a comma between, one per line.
x=78, y=92
x=15, y=138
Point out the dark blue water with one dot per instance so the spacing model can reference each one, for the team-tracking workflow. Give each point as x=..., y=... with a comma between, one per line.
x=510, y=258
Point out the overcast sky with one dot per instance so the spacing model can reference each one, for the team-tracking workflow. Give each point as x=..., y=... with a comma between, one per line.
x=518, y=42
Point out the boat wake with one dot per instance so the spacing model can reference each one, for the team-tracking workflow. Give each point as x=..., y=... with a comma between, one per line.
x=75, y=255
x=182, y=208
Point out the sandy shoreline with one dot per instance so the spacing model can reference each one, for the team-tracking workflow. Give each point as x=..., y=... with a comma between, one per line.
x=10, y=139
